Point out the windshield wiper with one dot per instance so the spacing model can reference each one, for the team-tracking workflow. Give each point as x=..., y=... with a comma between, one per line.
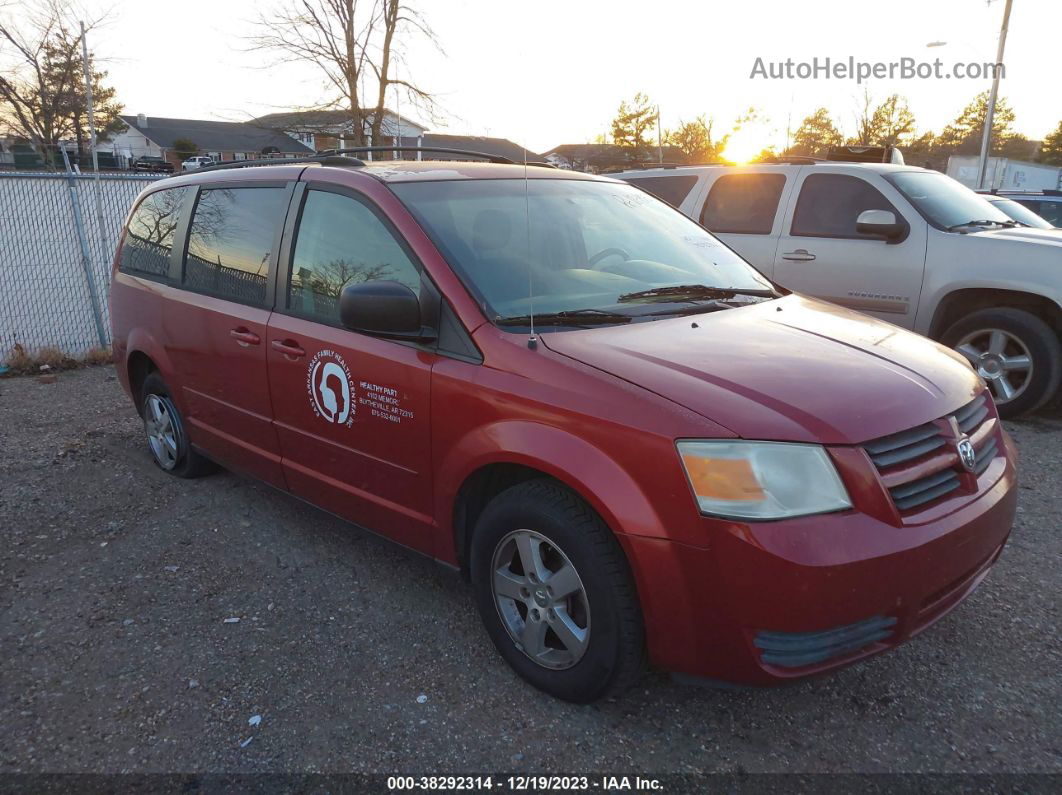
x=567, y=317
x=1008, y=224
x=693, y=292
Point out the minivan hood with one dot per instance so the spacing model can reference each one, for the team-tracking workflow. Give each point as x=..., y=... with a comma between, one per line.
x=794, y=369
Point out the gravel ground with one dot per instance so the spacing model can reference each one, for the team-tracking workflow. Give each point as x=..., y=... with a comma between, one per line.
x=119, y=586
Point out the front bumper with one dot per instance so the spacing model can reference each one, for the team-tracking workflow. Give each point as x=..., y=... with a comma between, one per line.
x=834, y=588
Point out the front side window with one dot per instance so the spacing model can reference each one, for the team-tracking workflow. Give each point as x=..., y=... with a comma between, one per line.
x=743, y=204
x=149, y=236
x=672, y=189
x=230, y=242
x=1049, y=211
x=341, y=241
x=829, y=205
x=566, y=245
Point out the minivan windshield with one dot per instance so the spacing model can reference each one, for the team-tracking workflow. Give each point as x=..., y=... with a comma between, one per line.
x=586, y=252
x=946, y=203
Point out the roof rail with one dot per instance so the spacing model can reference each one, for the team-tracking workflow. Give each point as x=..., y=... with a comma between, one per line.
x=323, y=159
x=440, y=149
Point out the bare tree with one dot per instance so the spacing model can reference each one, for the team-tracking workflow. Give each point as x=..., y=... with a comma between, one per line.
x=41, y=77
x=348, y=41
x=397, y=17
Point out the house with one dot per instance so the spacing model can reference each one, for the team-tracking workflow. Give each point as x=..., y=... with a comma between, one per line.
x=155, y=136
x=333, y=129
x=479, y=143
x=597, y=158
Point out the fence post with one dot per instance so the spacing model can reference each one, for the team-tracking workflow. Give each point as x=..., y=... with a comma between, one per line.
x=86, y=258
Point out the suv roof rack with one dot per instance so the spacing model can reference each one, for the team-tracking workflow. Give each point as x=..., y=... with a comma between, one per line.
x=855, y=153
x=439, y=149
x=793, y=160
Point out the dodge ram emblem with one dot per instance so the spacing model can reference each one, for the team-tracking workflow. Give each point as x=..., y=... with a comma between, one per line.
x=967, y=454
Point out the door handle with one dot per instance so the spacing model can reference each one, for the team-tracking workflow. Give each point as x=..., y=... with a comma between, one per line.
x=244, y=336
x=288, y=348
x=800, y=255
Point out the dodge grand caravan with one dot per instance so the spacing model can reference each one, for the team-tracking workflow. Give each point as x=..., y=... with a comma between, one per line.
x=636, y=447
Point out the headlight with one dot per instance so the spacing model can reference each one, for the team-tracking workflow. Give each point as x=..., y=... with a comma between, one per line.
x=762, y=480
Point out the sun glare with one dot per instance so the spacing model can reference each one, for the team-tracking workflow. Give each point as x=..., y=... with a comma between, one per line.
x=743, y=146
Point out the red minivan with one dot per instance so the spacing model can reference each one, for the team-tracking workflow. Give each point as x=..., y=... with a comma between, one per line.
x=636, y=447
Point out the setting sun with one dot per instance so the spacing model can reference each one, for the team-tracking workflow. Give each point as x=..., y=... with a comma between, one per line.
x=744, y=145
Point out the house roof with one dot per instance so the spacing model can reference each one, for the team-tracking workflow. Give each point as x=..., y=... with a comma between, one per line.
x=320, y=121
x=216, y=136
x=602, y=153
x=479, y=143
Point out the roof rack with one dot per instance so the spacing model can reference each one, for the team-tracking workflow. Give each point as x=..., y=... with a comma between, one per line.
x=323, y=159
x=793, y=160
x=437, y=149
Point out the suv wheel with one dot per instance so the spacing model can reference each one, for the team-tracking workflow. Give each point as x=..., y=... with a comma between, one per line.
x=1015, y=352
x=166, y=436
x=555, y=592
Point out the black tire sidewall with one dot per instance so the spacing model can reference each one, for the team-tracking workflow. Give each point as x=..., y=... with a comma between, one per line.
x=1041, y=341
x=595, y=672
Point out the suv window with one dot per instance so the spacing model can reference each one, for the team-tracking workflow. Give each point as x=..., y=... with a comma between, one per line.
x=829, y=205
x=743, y=203
x=340, y=240
x=1048, y=210
x=230, y=242
x=673, y=190
x=149, y=236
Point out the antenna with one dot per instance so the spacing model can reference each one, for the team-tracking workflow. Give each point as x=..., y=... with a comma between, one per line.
x=532, y=341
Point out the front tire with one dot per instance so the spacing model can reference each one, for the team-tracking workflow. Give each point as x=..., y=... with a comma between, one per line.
x=1015, y=352
x=166, y=435
x=555, y=593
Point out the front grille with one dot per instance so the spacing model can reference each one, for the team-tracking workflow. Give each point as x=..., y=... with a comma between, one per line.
x=919, y=465
x=797, y=649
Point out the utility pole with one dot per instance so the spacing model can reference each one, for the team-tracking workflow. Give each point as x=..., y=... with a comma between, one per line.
x=986, y=136
x=659, y=138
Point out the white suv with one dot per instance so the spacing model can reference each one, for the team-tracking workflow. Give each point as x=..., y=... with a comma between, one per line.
x=198, y=161
x=908, y=245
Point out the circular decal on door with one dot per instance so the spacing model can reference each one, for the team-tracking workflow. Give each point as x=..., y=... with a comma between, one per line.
x=331, y=388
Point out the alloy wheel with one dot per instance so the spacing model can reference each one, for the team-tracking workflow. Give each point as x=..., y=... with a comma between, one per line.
x=1001, y=359
x=541, y=599
x=163, y=430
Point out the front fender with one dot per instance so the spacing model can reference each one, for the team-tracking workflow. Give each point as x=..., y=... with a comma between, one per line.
x=587, y=470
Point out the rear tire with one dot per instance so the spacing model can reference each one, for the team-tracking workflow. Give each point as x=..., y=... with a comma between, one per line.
x=167, y=439
x=1016, y=353
x=578, y=636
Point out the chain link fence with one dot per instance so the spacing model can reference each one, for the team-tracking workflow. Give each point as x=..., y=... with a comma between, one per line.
x=57, y=238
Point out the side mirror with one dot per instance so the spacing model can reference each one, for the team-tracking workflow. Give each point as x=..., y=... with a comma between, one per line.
x=880, y=223
x=385, y=309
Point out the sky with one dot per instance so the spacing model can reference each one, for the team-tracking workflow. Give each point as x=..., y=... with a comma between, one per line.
x=550, y=72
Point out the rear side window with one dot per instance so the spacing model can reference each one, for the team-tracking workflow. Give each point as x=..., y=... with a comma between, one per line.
x=743, y=203
x=149, y=236
x=673, y=190
x=230, y=242
x=341, y=241
x=829, y=205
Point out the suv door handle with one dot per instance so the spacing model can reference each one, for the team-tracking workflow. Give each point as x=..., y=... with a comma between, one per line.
x=800, y=255
x=288, y=348
x=245, y=336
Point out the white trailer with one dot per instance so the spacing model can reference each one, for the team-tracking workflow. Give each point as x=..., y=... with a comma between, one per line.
x=1004, y=173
